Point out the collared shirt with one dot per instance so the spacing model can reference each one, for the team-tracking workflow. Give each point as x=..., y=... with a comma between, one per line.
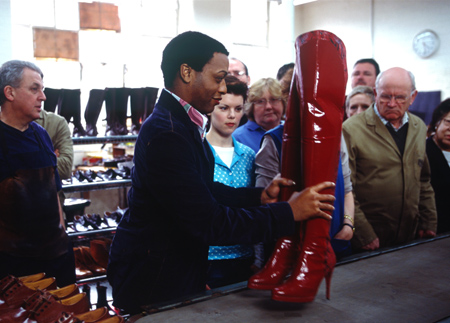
x=240, y=174
x=196, y=117
x=405, y=119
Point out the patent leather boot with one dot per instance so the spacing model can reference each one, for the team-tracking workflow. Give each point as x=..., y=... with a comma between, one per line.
x=278, y=266
x=287, y=249
x=320, y=78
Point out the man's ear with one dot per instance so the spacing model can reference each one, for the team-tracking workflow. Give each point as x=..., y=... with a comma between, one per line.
x=9, y=92
x=413, y=96
x=186, y=73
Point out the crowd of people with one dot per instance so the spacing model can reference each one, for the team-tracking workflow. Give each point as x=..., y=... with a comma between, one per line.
x=203, y=207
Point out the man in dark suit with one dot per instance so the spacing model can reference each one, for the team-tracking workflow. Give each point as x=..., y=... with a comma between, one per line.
x=175, y=210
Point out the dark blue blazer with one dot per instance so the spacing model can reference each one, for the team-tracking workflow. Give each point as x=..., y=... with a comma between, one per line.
x=176, y=211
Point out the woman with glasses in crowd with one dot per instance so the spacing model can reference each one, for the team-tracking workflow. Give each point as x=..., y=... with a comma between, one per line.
x=265, y=109
x=438, y=152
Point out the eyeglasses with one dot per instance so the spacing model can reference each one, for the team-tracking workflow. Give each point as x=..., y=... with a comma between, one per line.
x=263, y=102
x=446, y=122
x=236, y=73
x=385, y=98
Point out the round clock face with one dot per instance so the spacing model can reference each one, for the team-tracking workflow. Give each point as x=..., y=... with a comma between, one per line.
x=426, y=43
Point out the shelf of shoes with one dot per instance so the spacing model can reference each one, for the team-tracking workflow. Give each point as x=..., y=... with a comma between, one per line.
x=85, y=187
x=97, y=178
x=103, y=140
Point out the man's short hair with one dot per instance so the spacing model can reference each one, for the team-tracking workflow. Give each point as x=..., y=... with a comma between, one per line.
x=283, y=69
x=192, y=48
x=243, y=64
x=11, y=73
x=370, y=61
x=235, y=86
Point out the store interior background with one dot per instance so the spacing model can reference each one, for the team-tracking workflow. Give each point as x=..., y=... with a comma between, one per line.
x=259, y=32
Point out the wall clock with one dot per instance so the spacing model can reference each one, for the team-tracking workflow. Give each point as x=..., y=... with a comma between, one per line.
x=426, y=43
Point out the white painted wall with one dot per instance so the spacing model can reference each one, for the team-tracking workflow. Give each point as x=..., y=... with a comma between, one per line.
x=384, y=30
x=261, y=33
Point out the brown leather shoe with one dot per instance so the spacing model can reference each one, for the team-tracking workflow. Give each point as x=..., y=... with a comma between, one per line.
x=13, y=295
x=81, y=271
x=68, y=318
x=90, y=263
x=42, y=307
x=94, y=316
x=32, y=278
x=65, y=292
x=100, y=251
x=114, y=319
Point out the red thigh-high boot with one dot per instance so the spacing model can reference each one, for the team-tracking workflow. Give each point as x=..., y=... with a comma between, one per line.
x=287, y=249
x=321, y=78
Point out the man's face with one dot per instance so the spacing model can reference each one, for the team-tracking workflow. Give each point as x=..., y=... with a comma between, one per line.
x=28, y=96
x=226, y=116
x=364, y=74
x=394, y=95
x=442, y=135
x=237, y=69
x=208, y=86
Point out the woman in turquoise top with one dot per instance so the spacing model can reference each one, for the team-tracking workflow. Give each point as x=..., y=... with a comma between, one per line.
x=234, y=166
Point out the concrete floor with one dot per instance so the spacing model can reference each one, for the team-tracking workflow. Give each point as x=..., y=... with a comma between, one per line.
x=410, y=284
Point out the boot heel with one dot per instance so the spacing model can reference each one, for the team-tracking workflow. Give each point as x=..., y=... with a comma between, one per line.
x=328, y=282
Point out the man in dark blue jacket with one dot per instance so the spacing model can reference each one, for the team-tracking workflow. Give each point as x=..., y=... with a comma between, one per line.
x=176, y=211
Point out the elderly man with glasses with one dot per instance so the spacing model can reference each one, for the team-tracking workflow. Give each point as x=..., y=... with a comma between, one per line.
x=390, y=170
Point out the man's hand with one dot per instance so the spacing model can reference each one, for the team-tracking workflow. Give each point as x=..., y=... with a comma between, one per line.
x=57, y=152
x=375, y=244
x=309, y=203
x=271, y=192
x=426, y=234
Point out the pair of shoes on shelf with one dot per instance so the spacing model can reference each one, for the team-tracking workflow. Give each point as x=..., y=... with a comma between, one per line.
x=100, y=250
x=89, y=176
x=85, y=222
x=85, y=265
x=113, y=218
x=115, y=174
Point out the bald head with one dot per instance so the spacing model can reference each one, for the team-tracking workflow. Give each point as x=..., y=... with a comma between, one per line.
x=395, y=92
x=398, y=76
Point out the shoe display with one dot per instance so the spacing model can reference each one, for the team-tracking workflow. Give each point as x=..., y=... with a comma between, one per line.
x=100, y=251
x=113, y=218
x=42, y=307
x=14, y=292
x=97, y=221
x=101, y=313
x=90, y=263
x=81, y=224
x=81, y=270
